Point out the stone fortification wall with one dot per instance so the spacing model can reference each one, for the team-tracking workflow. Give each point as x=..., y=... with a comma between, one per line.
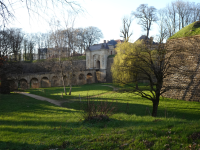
x=108, y=70
x=187, y=79
x=46, y=68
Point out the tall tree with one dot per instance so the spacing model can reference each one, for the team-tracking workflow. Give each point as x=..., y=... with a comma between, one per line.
x=92, y=35
x=125, y=30
x=146, y=16
x=151, y=64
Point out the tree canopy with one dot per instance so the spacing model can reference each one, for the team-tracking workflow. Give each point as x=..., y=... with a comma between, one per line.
x=143, y=61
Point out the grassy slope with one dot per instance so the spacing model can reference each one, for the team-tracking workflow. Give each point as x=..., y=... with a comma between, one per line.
x=31, y=124
x=190, y=30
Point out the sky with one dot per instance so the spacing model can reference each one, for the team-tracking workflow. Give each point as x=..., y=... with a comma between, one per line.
x=105, y=14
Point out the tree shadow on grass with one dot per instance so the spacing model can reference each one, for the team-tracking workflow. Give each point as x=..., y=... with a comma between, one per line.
x=139, y=109
x=22, y=146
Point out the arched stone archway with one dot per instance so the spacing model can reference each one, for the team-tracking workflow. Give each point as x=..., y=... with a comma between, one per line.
x=98, y=64
x=34, y=83
x=55, y=81
x=81, y=79
x=23, y=84
x=89, y=78
x=74, y=80
x=96, y=61
x=45, y=82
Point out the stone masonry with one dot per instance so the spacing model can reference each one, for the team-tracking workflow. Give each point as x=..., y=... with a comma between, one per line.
x=188, y=80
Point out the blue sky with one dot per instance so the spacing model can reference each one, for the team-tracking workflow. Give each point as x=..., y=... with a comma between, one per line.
x=104, y=14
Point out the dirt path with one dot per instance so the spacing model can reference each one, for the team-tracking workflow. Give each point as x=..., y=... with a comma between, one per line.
x=56, y=102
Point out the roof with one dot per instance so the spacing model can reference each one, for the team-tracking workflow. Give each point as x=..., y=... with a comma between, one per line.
x=42, y=50
x=144, y=37
x=112, y=42
x=98, y=46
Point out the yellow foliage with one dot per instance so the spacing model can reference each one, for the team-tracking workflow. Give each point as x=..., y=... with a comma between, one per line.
x=130, y=58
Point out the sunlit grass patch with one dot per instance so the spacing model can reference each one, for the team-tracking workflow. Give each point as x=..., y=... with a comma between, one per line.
x=27, y=123
x=57, y=93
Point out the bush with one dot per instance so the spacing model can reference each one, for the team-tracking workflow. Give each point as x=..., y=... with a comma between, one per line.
x=98, y=110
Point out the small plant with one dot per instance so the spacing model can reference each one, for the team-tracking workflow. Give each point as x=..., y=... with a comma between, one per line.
x=98, y=110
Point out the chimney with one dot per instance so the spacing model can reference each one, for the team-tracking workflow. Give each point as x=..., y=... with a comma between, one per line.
x=104, y=41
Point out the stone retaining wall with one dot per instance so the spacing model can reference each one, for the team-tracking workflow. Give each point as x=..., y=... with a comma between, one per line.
x=187, y=80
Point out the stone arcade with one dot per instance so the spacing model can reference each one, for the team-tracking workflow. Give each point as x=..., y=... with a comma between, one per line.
x=96, y=69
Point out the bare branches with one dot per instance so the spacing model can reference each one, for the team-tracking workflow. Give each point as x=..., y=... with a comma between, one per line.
x=37, y=7
x=125, y=33
x=146, y=16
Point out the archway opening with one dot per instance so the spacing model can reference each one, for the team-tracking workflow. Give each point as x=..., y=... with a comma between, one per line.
x=98, y=64
x=89, y=78
x=45, y=82
x=73, y=80
x=34, y=83
x=81, y=76
x=54, y=81
x=23, y=84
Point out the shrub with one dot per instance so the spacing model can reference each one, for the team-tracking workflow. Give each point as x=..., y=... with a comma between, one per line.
x=98, y=110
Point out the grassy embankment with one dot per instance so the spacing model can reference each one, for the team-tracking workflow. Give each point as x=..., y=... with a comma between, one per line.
x=26, y=123
x=190, y=30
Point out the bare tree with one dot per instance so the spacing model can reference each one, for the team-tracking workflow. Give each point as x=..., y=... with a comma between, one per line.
x=35, y=7
x=180, y=13
x=163, y=27
x=16, y=42
x=146, y=16
x=125, y=33
x=92, y=35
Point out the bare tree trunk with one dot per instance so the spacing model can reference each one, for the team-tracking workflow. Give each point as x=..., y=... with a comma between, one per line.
x=155, y=108
x=155, y=103
x=70, y=89
x=64, y=85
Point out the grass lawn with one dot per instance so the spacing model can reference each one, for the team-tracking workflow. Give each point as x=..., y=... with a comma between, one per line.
x=26, y=123
x=83, y=90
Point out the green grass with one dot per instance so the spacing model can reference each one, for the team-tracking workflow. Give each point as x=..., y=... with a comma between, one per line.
x=83, y=90
x=26, y=123
x=190, y=30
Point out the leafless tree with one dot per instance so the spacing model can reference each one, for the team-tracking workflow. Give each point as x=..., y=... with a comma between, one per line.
x=92, y=35
x=125, y=31
x=35, y=7
x=163, y=27
x=16, y=37
x=146, y=16
x=180, y=13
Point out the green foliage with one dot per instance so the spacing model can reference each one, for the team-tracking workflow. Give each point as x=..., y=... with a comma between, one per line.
x=190, y=30
x=111, y=56
x=27, y=123
x=130, y=58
